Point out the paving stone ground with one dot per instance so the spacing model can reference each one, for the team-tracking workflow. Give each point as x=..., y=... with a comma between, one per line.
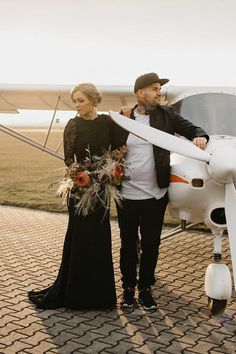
x=30, y=254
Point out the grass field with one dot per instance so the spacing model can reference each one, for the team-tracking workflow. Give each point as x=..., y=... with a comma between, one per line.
x=26, y=172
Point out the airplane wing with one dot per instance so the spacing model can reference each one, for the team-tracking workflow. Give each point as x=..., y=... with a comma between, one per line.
x=177, y=93
x=45, y=97
x=14, y=97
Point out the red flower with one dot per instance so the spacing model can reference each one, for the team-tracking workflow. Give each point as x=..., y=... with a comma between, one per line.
x=81, y=179
x=117, y=170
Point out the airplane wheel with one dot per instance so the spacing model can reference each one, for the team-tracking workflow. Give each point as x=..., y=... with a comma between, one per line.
x=216, y=306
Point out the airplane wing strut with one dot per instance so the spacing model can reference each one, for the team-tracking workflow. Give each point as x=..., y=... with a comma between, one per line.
x=31, y=142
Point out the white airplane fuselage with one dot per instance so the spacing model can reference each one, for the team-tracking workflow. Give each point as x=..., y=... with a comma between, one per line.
x=194, y=195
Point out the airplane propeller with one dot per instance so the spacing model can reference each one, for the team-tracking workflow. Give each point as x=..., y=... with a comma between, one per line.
x=221, y=166
x=160, y=138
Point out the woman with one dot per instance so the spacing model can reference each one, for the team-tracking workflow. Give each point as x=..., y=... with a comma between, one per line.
x=86, y=278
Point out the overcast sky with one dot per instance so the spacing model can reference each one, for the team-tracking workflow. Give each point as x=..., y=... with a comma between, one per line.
x=192, y=42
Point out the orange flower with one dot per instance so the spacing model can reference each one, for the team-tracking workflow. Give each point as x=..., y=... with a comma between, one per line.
x=117, y=170
x=81, y=179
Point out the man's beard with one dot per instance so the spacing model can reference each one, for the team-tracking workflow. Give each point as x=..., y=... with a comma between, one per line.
x=146, y=107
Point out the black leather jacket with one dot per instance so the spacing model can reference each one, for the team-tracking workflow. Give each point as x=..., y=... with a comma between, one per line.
x=166, y=119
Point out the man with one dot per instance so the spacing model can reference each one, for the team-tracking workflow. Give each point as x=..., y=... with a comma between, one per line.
x=145, y=194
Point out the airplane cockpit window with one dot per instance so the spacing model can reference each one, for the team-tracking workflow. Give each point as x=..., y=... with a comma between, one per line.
x=214, y=112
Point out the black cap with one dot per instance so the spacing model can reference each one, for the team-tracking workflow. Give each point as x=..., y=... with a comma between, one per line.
x=147, y=80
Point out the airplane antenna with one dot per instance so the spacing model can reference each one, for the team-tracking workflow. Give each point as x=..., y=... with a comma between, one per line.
x=53, y=117
x=166, y=97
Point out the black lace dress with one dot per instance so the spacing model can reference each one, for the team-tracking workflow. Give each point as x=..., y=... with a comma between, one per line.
x=86, y=277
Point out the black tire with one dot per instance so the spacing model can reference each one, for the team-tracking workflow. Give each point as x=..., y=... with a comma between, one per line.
x=216, y=306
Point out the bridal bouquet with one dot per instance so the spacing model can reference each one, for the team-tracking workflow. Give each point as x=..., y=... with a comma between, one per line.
x=94, y=182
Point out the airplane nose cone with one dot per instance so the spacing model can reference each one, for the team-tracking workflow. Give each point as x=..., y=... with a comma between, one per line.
x=222, y=165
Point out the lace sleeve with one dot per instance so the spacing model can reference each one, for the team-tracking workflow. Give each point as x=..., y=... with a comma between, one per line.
x=69, y=138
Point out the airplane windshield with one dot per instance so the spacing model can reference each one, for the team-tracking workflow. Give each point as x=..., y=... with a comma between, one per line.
x=214, y=112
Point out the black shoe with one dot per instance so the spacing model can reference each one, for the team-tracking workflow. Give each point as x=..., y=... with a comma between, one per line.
x=128, y=298
x=146, y=299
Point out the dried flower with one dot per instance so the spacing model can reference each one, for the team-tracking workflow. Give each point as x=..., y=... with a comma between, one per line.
x=119, y=154
x=94, y=182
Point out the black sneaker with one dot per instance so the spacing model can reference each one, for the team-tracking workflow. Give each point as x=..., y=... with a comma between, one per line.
x=146, y=299
x=128, y=298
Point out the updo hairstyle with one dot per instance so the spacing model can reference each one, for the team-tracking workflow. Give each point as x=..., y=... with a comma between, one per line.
x=89, y=90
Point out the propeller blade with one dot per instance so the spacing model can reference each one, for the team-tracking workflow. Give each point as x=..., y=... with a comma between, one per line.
x=160, y=138
x=230, y=207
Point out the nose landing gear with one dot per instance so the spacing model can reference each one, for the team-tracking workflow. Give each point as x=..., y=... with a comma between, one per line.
x=216, y=306
x=218, y=283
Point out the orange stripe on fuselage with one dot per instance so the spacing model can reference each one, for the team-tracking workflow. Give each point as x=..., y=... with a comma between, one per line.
x=174, y=178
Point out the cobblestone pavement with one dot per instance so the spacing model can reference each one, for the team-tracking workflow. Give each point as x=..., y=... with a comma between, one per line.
x=31, y=244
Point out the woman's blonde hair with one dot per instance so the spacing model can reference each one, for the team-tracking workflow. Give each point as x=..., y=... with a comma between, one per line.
x=89, y=90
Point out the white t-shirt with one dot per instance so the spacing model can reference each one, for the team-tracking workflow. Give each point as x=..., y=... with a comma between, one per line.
x=141, y=167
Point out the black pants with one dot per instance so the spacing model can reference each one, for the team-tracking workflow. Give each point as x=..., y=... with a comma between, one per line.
x=147, y=215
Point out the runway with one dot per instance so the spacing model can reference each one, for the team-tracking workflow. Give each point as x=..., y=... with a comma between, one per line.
x=31, y=245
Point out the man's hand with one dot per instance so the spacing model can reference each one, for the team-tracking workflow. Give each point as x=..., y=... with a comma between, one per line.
x=126, y=111
x=200, y=142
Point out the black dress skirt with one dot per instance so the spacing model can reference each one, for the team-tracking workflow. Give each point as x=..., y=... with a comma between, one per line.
x=86, y=276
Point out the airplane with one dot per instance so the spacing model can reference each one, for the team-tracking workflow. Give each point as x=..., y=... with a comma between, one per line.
x=202, y=183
